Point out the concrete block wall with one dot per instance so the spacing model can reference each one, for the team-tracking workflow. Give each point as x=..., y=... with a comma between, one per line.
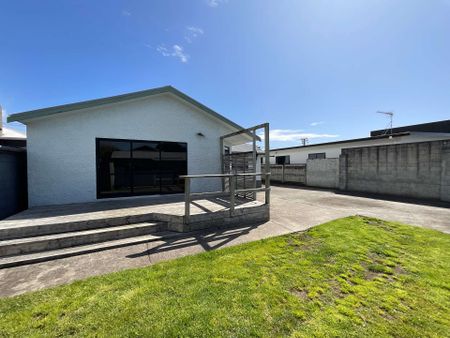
x=322, y=173
x=419, y=170
x=445, y=174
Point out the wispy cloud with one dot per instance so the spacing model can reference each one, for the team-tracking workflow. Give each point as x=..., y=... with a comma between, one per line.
x=291, y=135
x=313, y=124
x=126, y=13
x=192, y=33
x=176, y=51
x=215, y=3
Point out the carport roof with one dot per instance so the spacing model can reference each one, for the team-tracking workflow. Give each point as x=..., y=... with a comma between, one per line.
x=45, y=112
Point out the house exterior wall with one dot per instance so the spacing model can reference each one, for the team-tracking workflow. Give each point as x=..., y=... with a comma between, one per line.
x=300, y=155
x=62, y=152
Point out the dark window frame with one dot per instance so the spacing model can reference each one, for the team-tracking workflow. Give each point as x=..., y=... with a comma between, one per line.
x=101, y=195
x=286, y=159
x=317, y=156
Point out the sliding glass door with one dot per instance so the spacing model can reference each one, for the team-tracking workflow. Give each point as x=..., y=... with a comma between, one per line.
x=131, y=167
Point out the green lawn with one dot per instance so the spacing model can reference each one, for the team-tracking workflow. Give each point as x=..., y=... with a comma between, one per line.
x=351, y=277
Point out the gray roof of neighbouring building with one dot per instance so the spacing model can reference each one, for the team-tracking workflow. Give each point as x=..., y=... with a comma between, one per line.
x=430, y=127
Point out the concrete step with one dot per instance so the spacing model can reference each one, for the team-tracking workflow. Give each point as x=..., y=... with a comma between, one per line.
x=11, y=229
x=83, y=249
x=28, y=245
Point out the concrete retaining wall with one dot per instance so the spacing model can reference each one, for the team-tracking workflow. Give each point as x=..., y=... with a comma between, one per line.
x=419, y=170
x=323, y=173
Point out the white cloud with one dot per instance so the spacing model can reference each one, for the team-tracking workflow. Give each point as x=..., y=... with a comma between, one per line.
x=175, y=51
x=215, y=3
x=291, y=135
x=313, y=124
x=192, y=33
x=126, y=13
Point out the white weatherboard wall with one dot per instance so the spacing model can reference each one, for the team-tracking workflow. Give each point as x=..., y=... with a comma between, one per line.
x=300, y=154
x=61, y=148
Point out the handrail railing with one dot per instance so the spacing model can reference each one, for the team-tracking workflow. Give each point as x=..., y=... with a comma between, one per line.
x=232, y=192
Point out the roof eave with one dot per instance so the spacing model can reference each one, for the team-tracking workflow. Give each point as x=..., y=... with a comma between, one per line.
x=27, y=116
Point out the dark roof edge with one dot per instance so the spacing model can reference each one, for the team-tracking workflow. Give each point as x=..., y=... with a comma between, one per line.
x=43, y=112
x=343, y=141
x=442, y=126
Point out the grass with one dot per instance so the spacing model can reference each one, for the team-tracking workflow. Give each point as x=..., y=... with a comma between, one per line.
x=355, y=276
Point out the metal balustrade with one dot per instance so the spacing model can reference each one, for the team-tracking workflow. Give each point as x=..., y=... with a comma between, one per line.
x=189, y=196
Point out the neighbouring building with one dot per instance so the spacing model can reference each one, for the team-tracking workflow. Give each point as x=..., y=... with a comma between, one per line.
x=126, y=145
x=408, y=134
x=13, y=179
x=409, y=161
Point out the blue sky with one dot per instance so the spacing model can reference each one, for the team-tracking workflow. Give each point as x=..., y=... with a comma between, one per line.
x=316, y=68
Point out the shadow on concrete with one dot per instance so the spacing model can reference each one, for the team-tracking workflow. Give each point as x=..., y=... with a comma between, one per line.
x=207, y=239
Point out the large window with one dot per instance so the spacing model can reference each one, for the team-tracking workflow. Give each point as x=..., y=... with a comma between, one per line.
x=129, y=168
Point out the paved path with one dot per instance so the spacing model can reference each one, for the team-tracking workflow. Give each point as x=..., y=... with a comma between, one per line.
x=293, y=209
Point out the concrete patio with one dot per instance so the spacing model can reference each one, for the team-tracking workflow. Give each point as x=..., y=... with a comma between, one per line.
x=53, y=232
x=292, y=209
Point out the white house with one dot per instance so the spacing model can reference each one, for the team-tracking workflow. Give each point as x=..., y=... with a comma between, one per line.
x=432, y=131
x=10, y=137
x=127, y=145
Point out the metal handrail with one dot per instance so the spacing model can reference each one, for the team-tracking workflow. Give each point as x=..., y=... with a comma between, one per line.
x=221, y=175
x=232, y=193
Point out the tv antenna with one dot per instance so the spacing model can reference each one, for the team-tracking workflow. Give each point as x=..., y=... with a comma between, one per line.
x=304, y=141
x=390, y=115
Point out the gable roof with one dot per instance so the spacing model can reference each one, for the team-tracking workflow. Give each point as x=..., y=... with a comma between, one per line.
x=44, y=112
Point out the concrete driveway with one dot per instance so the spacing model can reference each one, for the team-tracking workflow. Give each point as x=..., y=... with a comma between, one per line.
x=292, y=209
x=300, y=208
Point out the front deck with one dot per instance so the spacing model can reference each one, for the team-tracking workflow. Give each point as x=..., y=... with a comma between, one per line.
x=46, y=233
x=171, y=209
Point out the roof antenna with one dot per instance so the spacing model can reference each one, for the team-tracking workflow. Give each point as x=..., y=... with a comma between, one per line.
x=304, y=141
x=388, y=129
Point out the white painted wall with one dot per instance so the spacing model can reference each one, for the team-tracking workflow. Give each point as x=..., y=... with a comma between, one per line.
x=300, y=155
x=61, y=148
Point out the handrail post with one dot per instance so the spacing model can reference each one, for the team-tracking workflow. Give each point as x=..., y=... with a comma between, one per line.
x=187, y=199
x=232, y=193
x=267, y=184
x=267, y=164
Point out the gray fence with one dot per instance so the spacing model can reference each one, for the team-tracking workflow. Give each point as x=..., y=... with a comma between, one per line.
x=288, y=173
x=419, y=170
x=323, y=173
x=13, y=182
